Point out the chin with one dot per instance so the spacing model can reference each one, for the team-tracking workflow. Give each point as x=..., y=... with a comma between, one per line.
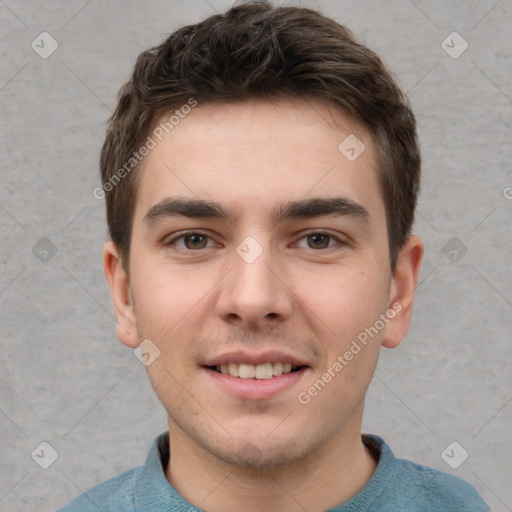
x=258, y=457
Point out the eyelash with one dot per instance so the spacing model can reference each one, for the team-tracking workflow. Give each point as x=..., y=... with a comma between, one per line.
x=185, y=234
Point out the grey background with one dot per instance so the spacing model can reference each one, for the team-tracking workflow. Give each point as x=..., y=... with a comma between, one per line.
x=64, y=377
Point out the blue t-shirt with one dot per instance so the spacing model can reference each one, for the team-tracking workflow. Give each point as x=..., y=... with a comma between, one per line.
x=397, y=485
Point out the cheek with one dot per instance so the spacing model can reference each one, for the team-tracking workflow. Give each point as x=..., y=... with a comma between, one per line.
x=166, y=299
x=343, y=299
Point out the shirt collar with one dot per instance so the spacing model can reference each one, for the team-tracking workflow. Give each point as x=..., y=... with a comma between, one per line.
x=153, y=492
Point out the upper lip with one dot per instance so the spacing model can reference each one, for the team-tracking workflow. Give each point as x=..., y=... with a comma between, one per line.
x=244, y=357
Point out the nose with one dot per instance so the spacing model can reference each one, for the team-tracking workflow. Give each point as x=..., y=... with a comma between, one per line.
x=255, y=293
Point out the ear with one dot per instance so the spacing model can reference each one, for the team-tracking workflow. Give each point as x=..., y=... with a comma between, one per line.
x=119, y=284
x=401, y=294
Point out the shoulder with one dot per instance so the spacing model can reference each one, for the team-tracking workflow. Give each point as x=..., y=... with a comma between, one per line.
x=114, y=495
x=141, y=488
x=431, y=489
x=400, y=484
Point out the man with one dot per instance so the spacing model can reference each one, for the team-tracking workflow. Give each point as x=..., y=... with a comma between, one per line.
x=261, y=173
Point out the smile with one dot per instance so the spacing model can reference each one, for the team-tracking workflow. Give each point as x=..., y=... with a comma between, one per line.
x=260, y=371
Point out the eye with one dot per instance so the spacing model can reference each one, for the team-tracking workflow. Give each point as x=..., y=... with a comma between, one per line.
x=320, y=240
x=190, y=241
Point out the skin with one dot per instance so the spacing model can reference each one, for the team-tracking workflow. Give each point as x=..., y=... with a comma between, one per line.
x=308, y=296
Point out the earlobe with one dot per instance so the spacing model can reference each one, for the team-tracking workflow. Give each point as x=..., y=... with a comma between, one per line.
x=119, y=284
x=403, y=285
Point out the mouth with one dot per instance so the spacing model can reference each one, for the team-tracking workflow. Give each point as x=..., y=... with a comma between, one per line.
x=262, y=375
x=263, y=371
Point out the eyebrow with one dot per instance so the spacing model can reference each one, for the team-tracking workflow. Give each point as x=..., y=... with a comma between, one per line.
x=301, y=209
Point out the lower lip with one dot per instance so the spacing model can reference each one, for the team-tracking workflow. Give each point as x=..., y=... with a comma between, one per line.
x=256, y=389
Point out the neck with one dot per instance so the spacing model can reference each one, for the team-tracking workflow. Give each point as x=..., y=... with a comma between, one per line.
x=326, y=478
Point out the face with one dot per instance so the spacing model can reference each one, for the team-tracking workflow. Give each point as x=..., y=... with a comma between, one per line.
x=257, y=247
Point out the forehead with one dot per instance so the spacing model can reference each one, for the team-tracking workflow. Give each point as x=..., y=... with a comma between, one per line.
x=256, y=154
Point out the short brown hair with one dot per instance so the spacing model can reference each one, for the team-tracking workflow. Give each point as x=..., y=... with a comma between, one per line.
x=256, y=50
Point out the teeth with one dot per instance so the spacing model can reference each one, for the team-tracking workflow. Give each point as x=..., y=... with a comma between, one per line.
x=233, y=369
x=277, y=369
x=247, y=371
x=250, y=371
x=264, y=371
